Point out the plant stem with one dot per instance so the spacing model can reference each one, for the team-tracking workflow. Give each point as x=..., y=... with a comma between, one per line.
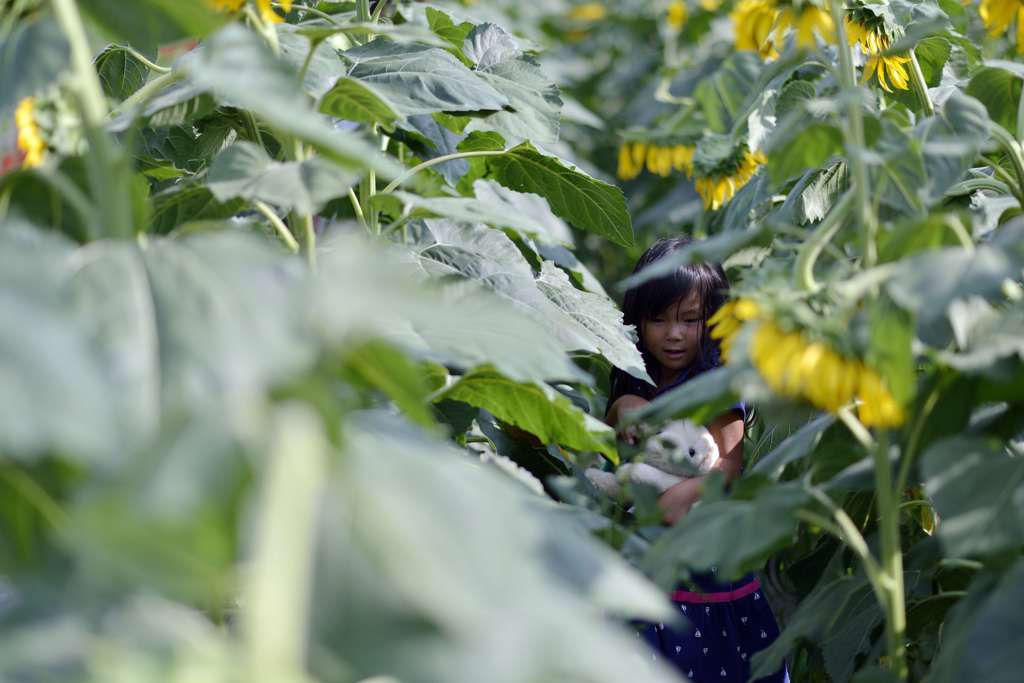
x=892, y=558
x=433, y=162
x=358, y=209
x=1013, y=150
x=152, y=66
x=920, y=86
x=379, y=10
x=147, y=91
x=109, y=168
x=854, y=133
x=914, y=439
x=363, y=11
x=282, y=230
x=823, y=234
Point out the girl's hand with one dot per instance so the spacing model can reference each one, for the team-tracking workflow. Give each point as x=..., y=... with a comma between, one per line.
x=624, y=404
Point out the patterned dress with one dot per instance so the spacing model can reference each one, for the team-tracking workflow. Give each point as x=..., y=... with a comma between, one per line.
x=727, y=624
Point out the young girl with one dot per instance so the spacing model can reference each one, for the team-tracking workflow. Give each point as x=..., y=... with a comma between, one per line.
x=729, y=621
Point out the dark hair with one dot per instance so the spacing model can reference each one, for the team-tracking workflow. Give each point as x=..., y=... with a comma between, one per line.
x=657, y=294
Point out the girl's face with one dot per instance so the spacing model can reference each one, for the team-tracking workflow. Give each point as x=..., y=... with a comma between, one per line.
x=673, y=337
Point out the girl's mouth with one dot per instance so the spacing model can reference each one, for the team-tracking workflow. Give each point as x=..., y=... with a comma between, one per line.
x=674, y=353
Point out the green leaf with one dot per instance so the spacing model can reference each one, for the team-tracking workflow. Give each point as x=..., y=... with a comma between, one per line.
x=838, y=615
x=188, y=202
x=120, y=73
x=981, y=639
x=488, y=256
x=399, y=33
x=148, y=24
x=722, y=95
x=797, y=445
x=356, y=100
x=713, y=249
x=461, y=325
x=387, y=369
x=442, y=25
x=985, y=335
x=701, y=399
x=733, y=536
x=599, y=321
x=532, y=97
x=809, y=147
x=33, y=55
x=498, y=206
x=534, y=408
x=556, y=584
x=246, y=170
x=588, y=204
x=48, y=407
x=999, y=90
x=419, y=79
x=978, y=492
x=238, y=67
x=890, y=350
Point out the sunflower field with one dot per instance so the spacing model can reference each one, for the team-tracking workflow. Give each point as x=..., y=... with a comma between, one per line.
x=308, y=309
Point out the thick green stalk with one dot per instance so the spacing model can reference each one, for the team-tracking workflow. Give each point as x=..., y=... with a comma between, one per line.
x=892, y=559
x=920, y=86
x=109, y=168
x=854, y=133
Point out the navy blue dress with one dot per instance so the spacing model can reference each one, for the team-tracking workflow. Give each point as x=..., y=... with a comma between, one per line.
x=727, y=623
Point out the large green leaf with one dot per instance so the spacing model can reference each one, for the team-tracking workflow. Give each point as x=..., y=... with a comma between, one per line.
x=498, y=206
x=357, y=100
x=984, y=335
x=732, y=536
x=927, y=283
x=598, y=320
x=534, y=408
x=120, y=72
x=246, y=170
x=982, y=638
x=532, y=97
x=539, y=582
x=978, y=492
x=797, y=445
x=238, y=67
x=55, y=396
x=147, y=24
x=700, y=399
x=487, y=255
x=459, y=324
x=587, y=203
x=808, y=146
x=419, y=79
x=998, y=86
x=838, y=615
x=32, y=57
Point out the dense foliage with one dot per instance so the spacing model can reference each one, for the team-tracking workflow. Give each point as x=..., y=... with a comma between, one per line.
x=302, y=364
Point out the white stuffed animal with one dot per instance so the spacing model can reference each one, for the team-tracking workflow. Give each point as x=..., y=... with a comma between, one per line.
x=679, y=451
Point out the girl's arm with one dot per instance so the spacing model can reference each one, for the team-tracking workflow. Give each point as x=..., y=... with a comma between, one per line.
x=622, y=405
x=727, y=431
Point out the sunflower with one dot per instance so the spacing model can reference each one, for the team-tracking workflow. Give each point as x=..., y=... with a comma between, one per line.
x=717, y=187
x=997, y=16
x=657, y=159
x=268, y=13
x=806, y=21
x=728, y=320
x=227, y=5
x=588, y=12
x=676, y=15
x=795, y=367
x=752, y=21
x=874, y=40
x=30, y=142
